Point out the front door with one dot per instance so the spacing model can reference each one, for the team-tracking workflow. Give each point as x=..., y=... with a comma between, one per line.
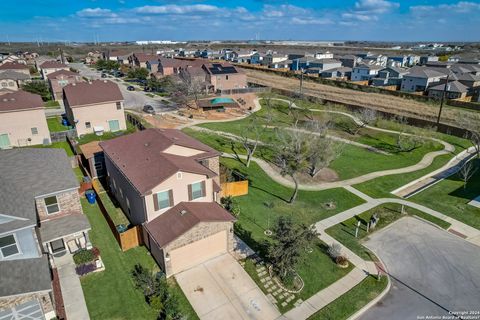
x=57, y=245
x=4, y=141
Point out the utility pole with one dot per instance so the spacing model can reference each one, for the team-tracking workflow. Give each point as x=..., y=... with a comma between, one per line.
x=441, y=101
x=301, y=81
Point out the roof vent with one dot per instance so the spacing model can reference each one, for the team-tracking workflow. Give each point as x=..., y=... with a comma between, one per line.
x=146, y=144
x=105, y=81
x=183, y=212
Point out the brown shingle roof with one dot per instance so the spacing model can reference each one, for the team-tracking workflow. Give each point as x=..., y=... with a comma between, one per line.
x=97, y=91
x=184, y=216
x=20, y=100
x=89, y=149
x=62, y=73
x=52, y=64
x=13, y=66
x=144, y=57
x=141, y=158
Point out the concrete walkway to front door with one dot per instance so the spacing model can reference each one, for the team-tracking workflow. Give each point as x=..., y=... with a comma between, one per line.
x=72, y=293
x=220, y=289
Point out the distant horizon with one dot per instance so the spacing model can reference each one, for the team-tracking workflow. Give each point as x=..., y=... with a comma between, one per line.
x=87, y=21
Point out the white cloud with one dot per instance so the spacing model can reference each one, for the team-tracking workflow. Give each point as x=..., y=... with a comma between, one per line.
x=95, y=13
x=460, y=7
x=359, y=17
x=177, y=9
x=311, y=21
x=375, y=6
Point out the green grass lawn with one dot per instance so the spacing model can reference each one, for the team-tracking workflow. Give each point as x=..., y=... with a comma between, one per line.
x=352, y=301
x=114, y=211
x=78, y=173
x=450, y=198
x=381, y=187
x=52, y=104
x=111, y=294
x=106, y=135
x=345, y=232
x=55, y=124
x=265, y=202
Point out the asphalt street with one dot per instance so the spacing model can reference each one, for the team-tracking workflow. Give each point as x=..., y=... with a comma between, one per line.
x=433, y=272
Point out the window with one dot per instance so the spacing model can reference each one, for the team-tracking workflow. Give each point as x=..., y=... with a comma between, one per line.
x=8, y=246
x=119, y=105
x=35, y=130
x=51, y=204
x=88, y=125
x=226, y=77
x=11, y=84
x=179, y=175
x=4, y=84
x=121, y=192
x=164, y=200
x=198, y=190
x=114, y=125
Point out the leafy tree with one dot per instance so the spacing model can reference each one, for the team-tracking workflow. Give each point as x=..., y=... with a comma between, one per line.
x=254, y=129
x=188, y=88
x=231, y=205
x=39, y=87
x=162, y=84
x=292, y=153
x=289, y=240
x=107, y=64
x=138, y=73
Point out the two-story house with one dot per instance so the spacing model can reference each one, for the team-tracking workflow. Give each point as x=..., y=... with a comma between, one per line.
x=420, y=78
x=51, y=66
x=94, y=107
x=60, y=79
x=224, y=76
x=168, y=182
x=40, y=215
x=14, y=66
x=12, y=80
x=22, y=120
x=364, y=72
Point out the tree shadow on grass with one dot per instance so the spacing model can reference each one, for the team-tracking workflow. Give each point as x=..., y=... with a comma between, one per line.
x=260, y=247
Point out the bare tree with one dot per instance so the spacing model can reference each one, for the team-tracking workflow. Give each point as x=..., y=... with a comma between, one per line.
x=321, y=149
x=292, y=153
x=250, y=137
x=365, y=117
x=408, y=142
x=188, y=88
x=466, y=172
x=472, y=127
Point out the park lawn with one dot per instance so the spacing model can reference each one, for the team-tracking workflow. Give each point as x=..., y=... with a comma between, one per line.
x=266, y=201
x=55, y=124
x=111, y=294
x=383, y=186
x=353, y=300
x=344, y=232
x=450, y=198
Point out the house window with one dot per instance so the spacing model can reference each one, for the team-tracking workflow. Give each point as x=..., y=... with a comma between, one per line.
x=121, y=192
x=51, y=204
x=8, y=246
x=114, y=125
x=11, y=84
x=119, y=105
x=164, y=199
x=4, y=84
x=88, y=125
x=226, y=77
x=198, y=190
x=179, y=175
x=34, y=130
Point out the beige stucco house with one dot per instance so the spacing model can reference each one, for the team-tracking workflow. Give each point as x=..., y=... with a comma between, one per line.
x=51, y=66
x=168, y=182
x=94, y=107
x=22, y=120
x=59, y=79
x=223, y=76
x=14, y=66
x=12, y=80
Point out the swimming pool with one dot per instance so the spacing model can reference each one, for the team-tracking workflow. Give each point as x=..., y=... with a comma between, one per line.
x=222, y=100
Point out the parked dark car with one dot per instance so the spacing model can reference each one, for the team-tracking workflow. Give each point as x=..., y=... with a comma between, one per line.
x=148, y=109
x=104, y=75
x=131, y=88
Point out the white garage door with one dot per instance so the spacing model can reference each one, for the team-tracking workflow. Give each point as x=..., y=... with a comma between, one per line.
x=198, y=252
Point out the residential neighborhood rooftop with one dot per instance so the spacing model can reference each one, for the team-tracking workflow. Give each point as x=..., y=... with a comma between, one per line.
x=62, y=72
x=13, y=66
x=96, y=91
x=52, y=65
x=25, y=275
x=10, y=74
x=20, y=100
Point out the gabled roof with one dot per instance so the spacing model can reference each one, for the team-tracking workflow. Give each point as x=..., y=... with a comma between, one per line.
x=13, y=75
x=144, y=57
x=454, y=86
x=398, y=70
x=97, y=91
x=13, y=66
x=220, y=68
x=142, y=159
x=468, y=77
x=62, y=73
x=20, y=100
x=27, y=173
x=424, y=72
x=183, y=217
x=52, y=65
x=21, y=276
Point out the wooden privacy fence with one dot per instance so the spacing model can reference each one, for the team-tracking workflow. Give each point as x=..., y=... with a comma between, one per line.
x=234, y=189
x=128, y=239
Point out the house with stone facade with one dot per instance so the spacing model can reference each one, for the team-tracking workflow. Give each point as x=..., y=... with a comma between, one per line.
x=44, y=221
x=168, y=182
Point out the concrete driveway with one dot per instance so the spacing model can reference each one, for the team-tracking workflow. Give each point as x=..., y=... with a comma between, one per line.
x=221, y=289
x=433, y=272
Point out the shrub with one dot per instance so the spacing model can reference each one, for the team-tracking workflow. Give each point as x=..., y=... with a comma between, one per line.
x=85, y=269
x=84, y=256
x=341, y=260
x=96, y=251
x=335, y=250
x=156, y=303
x=231, y=205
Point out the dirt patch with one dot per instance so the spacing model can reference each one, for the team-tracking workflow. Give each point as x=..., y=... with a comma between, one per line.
x=166, y=121
x=324, y=175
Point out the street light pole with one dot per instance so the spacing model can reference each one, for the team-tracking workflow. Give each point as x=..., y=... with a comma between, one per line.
x=441, y=101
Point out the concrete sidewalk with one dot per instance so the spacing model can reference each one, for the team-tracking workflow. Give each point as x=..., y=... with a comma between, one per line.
x=72, y=293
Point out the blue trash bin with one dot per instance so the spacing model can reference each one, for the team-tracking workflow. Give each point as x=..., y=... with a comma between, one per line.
x=90, y=194
x=64, y=122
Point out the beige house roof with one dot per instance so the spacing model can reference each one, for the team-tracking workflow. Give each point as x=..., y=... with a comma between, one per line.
x=20, y=100
x=97, y=91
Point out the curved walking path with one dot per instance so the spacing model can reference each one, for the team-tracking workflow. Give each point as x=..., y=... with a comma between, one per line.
x=286, y=181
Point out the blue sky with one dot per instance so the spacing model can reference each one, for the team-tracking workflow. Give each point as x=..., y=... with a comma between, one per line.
x=124, y=20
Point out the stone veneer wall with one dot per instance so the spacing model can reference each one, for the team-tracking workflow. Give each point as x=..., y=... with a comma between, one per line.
x=43, y=297
x=69, y=203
